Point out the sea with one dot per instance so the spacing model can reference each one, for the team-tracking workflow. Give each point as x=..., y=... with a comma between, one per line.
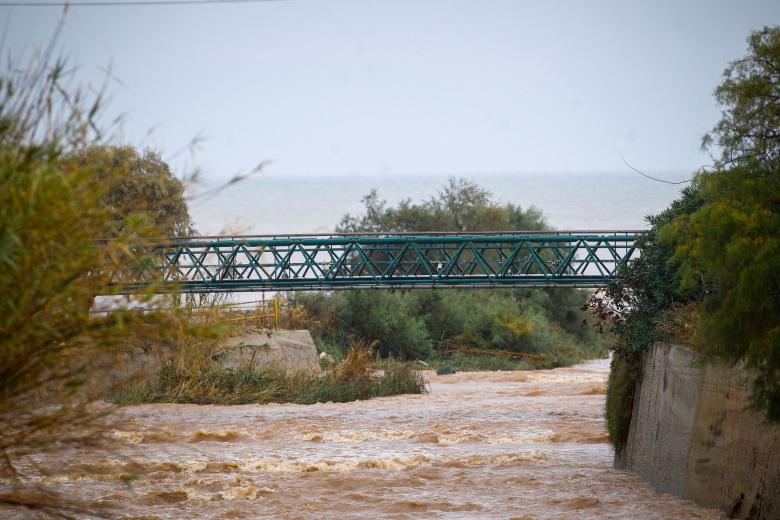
x=269, y=205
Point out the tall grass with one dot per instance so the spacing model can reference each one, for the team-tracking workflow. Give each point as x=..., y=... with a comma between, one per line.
x=467, y=362
x=55, y=357
x=197, y=376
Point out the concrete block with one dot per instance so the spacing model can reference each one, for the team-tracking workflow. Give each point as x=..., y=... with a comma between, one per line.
x=289, y=350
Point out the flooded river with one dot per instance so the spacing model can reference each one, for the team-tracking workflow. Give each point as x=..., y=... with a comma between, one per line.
x=523, y=445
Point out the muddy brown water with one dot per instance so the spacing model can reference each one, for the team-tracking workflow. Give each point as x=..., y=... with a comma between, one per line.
x=523, y=445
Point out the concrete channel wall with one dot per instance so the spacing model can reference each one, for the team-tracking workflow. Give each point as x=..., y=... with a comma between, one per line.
x=692, y=434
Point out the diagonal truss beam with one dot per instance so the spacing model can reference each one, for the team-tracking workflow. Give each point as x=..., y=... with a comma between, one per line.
x=353, y=261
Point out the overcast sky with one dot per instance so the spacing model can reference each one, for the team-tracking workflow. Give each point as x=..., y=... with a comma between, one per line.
x=332, y=87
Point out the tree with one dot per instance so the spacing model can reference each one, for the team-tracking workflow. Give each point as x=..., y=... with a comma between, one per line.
x=140, y=185
x=644, y=294
x=748, y=133
x=57, y=196
x=460, y=206
x=710, y=262
x=731, y=244
x=407, y=323
x=641, y=306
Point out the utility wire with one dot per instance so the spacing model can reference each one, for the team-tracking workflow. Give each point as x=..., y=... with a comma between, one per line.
x=108, y=3
x=650, y=177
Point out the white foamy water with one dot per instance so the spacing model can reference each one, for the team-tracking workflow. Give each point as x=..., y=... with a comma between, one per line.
x=523, y=445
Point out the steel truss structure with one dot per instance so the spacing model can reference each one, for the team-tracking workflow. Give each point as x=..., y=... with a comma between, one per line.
x=355, y=261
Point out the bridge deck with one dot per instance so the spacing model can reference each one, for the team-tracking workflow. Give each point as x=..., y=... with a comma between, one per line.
x=350, y=261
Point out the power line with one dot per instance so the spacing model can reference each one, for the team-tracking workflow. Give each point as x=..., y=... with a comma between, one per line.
x=108, y=3
x=648, y=176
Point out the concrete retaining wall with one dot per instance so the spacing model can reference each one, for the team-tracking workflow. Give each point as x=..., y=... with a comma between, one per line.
x=693, y=435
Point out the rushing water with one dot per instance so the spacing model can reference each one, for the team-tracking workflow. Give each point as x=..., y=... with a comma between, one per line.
x=480, y=445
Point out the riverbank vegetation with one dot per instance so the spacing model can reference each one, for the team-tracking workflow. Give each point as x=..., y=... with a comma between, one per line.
x=58, y=200
x=445, y=327
x=75, y=210
x=709, y=274
x=197, y=376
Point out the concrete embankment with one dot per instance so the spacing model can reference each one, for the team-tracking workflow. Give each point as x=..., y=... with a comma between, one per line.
x=692, y=434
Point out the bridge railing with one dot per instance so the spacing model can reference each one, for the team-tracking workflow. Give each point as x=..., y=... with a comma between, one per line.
x=366, y=260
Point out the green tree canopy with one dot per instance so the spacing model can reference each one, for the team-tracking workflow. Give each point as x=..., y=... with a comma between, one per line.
x=709, y=271
x=460, y=206
x=141, y=185
x=409, y=323
x=747, y=133
x=730, y=246
x=56, y=357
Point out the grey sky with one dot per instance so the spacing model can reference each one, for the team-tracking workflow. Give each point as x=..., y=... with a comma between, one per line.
x=330, y=87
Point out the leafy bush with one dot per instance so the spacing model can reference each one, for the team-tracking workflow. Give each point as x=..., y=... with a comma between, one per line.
x=460, y=206
x=638, y=307
x=637, y=302
x=55, y=356
x=138, y=184
x=619, y=406
x=504, y=323
x=731, y=244
x=195, y=375
x=465, y=362
x=393, y=319
x=408, y=323
x=708, y=272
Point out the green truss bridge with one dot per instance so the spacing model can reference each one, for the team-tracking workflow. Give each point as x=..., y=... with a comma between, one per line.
x=356, y=261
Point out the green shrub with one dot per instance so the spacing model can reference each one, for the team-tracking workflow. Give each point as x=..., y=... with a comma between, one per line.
x=465, y=362
x=637, y=302
x=408, y=324
x=709, y=264
x=391, y=318
x=55, y=205
x=619, y=406
x=196, y=376
x=636, y=307
x=731, y=244
x=139, y=184
x=399, y=378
